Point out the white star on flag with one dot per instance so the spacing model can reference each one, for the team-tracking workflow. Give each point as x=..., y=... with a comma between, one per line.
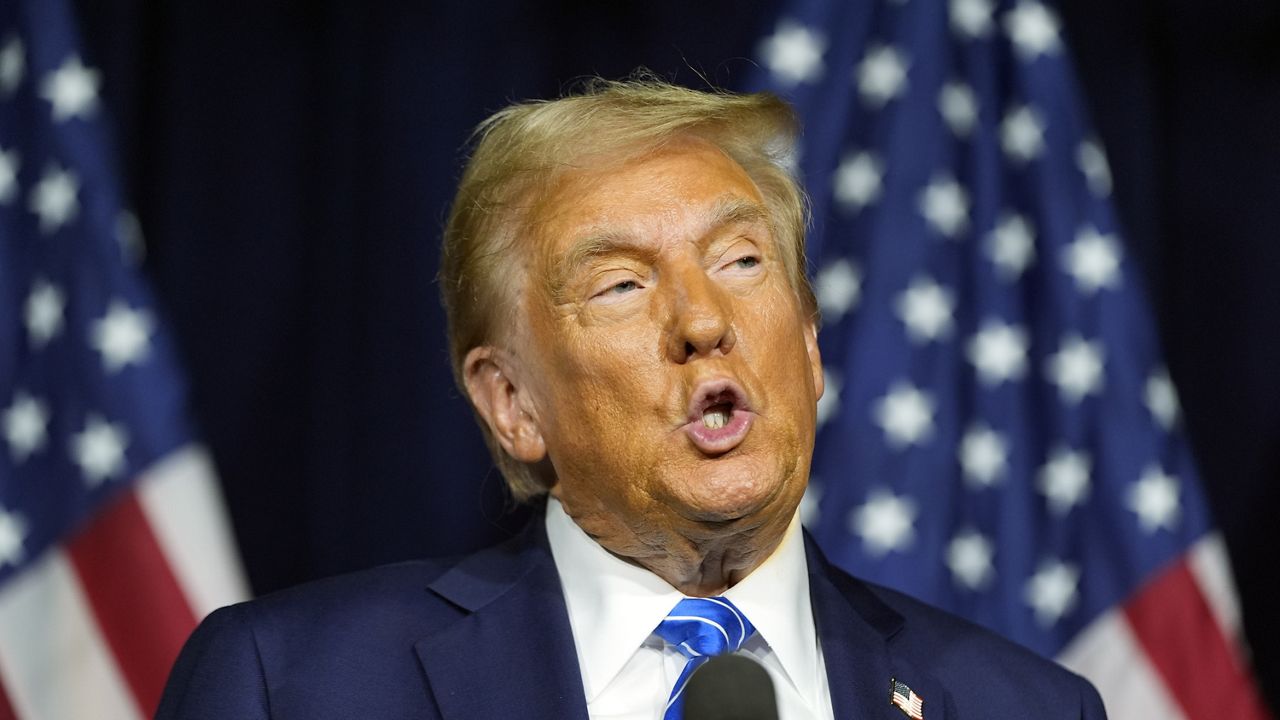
x=1033, y=28
x=945, y=205
x=811, y=503
x=998, y=352
x=1161, y=399
x=790, y=159
x=793, y=53
x=837, y=287
x=858, y=181
x=881, y=75
x=959, y=107
x=1077, y=368
x=26, y=426
x=829, y=403
x=1093, y=260
x=54, y=199
x=906, y=415
x=72, y=90
x=129, y=237
x=9, y=162
x=1092, y=161
x=13, y=535
x=13, y=64
x=984, y=456
x=1011, y=246
x=969, y=556
x=971, y=18
x=43, y=312
x=1022, y=134
x=122, y=336
x=1052, y=591
x=885, y=522
x=99, y=450
x=1064, y=480
x=926, y=308
x=1154, y=497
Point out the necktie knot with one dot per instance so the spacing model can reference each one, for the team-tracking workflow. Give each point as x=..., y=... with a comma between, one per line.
x=700, y=628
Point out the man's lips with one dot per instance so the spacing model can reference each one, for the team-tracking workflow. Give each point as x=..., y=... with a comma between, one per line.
x=719, y=417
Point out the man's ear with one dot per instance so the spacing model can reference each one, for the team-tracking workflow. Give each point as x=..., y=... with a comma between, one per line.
x=493, y=384
x=815, y=358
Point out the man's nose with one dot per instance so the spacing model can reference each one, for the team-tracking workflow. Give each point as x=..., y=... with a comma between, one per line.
x=702, y=318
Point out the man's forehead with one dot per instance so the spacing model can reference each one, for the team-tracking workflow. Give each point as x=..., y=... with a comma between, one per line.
x=690, y=182
x=620, y=226
x=621, y=235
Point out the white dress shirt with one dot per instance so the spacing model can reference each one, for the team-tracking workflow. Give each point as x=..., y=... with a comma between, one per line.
x=628, y=671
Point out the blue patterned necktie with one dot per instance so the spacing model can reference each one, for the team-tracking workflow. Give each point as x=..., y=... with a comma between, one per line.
x=700, y=628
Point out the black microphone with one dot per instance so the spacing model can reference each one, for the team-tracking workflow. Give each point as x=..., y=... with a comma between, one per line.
x=730, y=687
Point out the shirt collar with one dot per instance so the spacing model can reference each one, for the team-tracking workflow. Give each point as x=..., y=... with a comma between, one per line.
x=614, y=605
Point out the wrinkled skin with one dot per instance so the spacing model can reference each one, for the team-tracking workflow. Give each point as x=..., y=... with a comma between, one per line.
x=643, y=282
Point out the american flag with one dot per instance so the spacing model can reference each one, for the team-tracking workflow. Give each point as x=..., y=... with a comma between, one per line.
x=112, y=540
x=998, y=435
x=911, y=704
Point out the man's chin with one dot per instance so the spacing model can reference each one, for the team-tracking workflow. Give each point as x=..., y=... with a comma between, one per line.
x=736, y=498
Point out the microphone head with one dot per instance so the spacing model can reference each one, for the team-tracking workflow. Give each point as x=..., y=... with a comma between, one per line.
x=730, y=687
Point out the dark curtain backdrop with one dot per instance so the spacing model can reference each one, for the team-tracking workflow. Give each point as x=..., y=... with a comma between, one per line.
x=292, y=163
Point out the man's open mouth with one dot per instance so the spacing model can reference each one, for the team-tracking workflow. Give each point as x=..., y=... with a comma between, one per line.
x=719, y=416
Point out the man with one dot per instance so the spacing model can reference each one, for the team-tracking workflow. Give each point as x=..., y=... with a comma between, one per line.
x=623, y=273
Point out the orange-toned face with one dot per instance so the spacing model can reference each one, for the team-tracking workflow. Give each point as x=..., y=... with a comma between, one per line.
x=670, y=370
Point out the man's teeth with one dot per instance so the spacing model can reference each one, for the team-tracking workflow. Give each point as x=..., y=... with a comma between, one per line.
x=715, y=419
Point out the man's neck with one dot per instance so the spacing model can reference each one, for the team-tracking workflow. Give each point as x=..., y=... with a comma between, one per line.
x=699, y=560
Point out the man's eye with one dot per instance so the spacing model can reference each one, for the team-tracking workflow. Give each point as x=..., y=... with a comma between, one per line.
x=618, y=289
x=616, y=285
x=744, y=263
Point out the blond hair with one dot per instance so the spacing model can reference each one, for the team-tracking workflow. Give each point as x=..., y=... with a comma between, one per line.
x=521, y=151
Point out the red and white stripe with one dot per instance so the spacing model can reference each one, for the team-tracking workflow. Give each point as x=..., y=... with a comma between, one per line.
x=1174, y=650
x=93, y=626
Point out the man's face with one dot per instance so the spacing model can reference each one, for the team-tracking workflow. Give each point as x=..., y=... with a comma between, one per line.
x=672, y=369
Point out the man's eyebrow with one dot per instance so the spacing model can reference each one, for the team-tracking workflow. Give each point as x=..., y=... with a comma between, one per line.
x=585, y=249
x=737, y=211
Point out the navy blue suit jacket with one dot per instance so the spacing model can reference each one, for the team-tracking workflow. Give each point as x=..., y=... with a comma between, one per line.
x=488, y=636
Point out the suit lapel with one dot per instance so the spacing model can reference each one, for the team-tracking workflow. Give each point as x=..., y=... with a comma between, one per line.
x=856, y=630
x=512, y=653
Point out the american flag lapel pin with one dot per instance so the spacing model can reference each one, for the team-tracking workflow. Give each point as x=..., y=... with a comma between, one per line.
x=906, y=700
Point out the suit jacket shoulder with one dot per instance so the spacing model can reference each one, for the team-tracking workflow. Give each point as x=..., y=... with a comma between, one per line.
x=469, y=638
x=320, y=645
